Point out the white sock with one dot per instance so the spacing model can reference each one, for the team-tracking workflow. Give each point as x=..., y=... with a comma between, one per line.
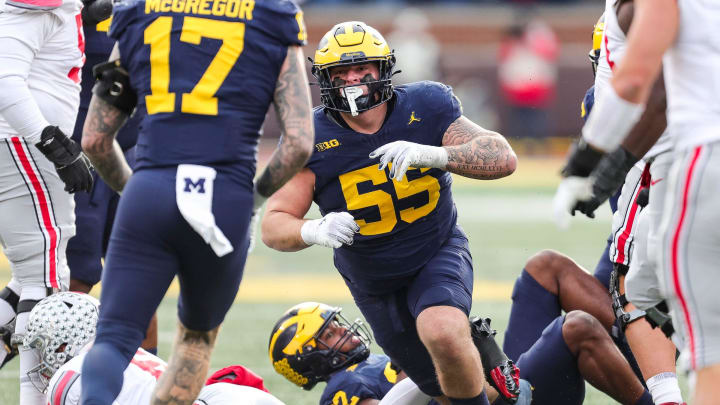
x=29, y=358
x=664, y=388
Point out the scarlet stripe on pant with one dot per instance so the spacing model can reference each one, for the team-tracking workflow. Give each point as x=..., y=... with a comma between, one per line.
x=42, y=202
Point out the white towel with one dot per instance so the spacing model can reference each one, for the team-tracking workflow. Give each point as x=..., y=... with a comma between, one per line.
x=194, y=194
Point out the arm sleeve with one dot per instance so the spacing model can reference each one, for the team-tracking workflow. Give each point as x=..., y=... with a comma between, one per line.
x=21, y=36
x=405, y=392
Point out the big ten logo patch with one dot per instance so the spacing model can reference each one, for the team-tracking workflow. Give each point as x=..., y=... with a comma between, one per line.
x=326, y=145
x=198, y=186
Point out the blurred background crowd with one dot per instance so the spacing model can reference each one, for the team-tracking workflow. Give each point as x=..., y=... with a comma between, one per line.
x=520, y=70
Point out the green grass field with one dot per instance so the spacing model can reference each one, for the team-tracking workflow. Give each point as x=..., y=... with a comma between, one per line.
x=507, y=221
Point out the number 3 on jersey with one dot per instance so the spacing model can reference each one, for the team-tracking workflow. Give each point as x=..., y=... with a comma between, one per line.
x=384, y=201
x=201, y=100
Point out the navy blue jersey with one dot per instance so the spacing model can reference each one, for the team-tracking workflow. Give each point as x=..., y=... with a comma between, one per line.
x=205, y=72
x=97, y=41
x=402, y=223
x=371, y=378
x=97, y=50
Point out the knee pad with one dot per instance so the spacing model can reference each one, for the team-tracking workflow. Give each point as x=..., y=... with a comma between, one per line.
x=659, y=317
x=29, y=297
x=619, y=301
x=10, y=297
x=499, y=370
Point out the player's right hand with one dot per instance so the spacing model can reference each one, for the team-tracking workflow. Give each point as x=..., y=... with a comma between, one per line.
x=71, y=164
x=333, y=230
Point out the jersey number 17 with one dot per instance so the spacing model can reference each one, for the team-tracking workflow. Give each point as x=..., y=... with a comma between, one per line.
x=201, y=100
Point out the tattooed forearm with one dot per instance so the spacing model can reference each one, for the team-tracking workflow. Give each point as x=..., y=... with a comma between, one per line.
x=293, y=106
x=98, y=142
x=187, y=369
x=476, y=152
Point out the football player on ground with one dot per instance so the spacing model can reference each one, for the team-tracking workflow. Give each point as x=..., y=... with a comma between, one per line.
x=204, y=81
x=381, y=177
x=634, y=234
x=42, y=53
x=313, y=342
x=63, y=326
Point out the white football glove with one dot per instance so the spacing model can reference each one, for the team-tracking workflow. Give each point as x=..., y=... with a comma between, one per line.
x=333, y=230
x=571, y=190
x=403, y=154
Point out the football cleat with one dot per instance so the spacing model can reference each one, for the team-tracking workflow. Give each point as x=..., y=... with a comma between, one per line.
x=500, y=371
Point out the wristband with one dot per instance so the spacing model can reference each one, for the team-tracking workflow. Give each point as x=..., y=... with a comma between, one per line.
x=611, y=120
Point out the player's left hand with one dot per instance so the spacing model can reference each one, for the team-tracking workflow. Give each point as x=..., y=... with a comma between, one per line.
x=402, y=154
x=571, y=192
x=576, y=186
x=71, y=164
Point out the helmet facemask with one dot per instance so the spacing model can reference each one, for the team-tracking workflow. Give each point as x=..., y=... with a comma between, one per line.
x=335, y=357
x=53, y=354
x=338, y=96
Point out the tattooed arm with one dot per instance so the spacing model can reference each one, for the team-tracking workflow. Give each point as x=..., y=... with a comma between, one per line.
x=294, y=111
x=476, y=152
x=98, y=140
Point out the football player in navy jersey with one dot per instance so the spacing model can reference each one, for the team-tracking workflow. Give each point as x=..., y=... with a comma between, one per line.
x=380, y=174
x=203, y=75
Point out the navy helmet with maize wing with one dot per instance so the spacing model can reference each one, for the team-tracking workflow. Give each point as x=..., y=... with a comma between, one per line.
x=299, y=353
x=352, y=43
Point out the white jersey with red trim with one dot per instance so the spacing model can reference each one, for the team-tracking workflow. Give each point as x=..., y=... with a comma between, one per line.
x=692, y=77
x=139, y=382
x=44, y=49
x=232, y=394
x=614, y=44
